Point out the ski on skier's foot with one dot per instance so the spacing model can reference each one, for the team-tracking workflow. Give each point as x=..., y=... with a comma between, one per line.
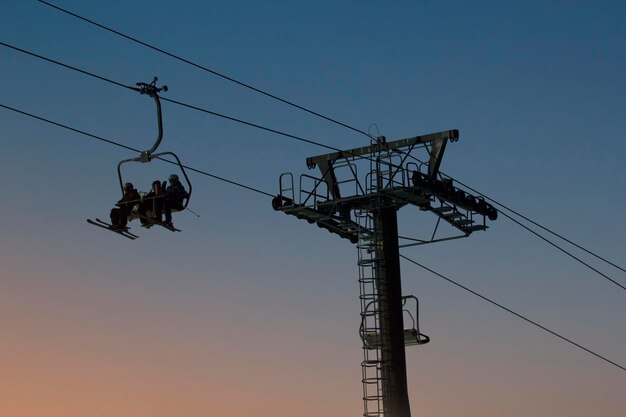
x=122, y=232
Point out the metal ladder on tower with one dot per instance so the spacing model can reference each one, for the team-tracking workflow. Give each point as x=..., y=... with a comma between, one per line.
x=381, y=175
x=370, y=332
x=372, y=366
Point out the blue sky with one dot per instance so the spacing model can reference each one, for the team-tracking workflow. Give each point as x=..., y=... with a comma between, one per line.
x=248, y=303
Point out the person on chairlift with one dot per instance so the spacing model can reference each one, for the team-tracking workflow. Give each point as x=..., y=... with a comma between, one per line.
x=175, y=193
x=119, y=214
x=152, y=204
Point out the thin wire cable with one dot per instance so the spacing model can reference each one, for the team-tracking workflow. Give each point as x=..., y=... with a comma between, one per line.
x=544, y=228
x=177, y=102
x=121, y=145
x=527, y=219
x=243, y=122
x=186, y=61
x=190, y=106
x=288, y=135
x=82, y=132
x=516, y=314
x=540, y=226
x=91, y=74
x=538, y=235
x=564, y=251
x=544, y=238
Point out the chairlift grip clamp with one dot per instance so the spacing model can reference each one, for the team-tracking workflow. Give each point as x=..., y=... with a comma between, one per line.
x=145, y=156
x=150, y=89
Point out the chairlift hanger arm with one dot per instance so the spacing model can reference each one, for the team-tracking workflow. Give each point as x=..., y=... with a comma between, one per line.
x=152, y=90
x=146, y=156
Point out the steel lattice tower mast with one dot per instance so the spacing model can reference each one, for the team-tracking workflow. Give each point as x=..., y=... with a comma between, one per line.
x=390, y=179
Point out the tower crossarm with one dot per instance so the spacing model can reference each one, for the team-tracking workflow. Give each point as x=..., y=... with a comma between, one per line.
x=437, y=142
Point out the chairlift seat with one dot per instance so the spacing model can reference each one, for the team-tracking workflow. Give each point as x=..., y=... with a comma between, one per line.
x=412, y=337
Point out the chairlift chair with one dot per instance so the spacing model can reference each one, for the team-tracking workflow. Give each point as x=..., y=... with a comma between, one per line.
x=147, y=156
x=372, y=338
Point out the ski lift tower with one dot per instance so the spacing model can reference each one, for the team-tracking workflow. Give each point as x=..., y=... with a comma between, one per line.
x=357, y=197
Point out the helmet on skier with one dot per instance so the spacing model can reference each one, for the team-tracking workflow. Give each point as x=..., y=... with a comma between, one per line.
x=173, y=177
x=128, y=186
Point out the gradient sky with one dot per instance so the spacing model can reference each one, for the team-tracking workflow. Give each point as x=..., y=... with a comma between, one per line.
x=251, y=312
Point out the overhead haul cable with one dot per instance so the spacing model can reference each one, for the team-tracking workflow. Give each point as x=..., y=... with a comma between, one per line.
x=564, y=251
x=516, y=314
x=278, y=132
x=538, y=235
x=200, y=109
x=93, y=136
x=186, y=61
x=121, y=145
x=544, y=228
